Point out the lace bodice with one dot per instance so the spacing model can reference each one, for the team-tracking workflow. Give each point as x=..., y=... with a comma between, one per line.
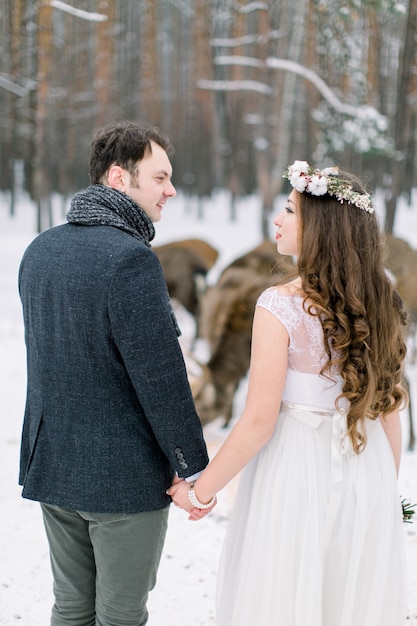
x=306, y=353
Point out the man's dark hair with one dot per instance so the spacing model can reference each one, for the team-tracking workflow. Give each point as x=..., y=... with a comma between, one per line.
x=124, y=144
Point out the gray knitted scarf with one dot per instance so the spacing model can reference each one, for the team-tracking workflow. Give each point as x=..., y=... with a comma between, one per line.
x=102, y=206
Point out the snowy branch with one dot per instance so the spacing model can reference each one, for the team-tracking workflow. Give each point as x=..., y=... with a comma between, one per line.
x=253, y=6
x=323, y=88
x=232, y=42
x=234, y=85
x=238, y=60
x=12, y=87
x=311, y=76
x=84, y=15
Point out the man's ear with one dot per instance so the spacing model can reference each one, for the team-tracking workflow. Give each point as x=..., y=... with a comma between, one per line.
x=116, y=177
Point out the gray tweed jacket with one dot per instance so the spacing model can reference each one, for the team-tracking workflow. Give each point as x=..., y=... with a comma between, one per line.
x=109, y=414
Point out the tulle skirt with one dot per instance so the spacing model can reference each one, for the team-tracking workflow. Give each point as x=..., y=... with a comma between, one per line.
x=316, y=535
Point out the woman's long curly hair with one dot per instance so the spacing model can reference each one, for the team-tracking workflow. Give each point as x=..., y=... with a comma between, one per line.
x=341, y=265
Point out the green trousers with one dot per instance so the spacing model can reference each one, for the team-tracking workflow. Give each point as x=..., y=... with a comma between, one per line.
x=103, y=565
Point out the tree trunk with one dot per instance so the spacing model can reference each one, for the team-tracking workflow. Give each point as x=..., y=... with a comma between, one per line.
x=295, y=53
x=42, y=187
x=404, y=128
x=104, y=65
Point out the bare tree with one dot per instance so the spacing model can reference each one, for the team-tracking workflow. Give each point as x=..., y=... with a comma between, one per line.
x=104, y=80
x=241, y=88
x=42, y=187
x=402, y=165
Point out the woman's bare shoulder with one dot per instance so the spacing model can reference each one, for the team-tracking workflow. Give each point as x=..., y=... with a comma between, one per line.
x=292, y=288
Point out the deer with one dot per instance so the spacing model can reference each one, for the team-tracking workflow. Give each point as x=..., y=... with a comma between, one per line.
x=402, y=263
x=227, y=310
x=186, y=264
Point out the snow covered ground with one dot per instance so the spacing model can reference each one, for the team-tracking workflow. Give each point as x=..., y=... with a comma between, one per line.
x=184, y=594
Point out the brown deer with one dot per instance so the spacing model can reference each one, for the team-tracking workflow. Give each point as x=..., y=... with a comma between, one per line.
x=186, y=264
x=226, y=324
x=402, y=262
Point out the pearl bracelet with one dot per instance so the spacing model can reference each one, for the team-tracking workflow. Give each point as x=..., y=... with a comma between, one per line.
x=196, y=502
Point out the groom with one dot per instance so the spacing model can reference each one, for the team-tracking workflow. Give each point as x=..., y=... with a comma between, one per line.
x=109, y=419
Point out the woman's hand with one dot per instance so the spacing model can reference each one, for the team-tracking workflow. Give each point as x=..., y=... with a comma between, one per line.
x=179, y=494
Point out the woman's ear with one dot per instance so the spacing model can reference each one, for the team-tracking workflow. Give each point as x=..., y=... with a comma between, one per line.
x=116, y=178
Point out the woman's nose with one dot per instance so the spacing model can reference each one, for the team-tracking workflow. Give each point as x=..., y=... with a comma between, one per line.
x=278, y=219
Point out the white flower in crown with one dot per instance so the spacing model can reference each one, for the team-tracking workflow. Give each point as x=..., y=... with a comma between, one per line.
x=317, y=185
x=299, y=167
x=299, y=181
x=330, y=171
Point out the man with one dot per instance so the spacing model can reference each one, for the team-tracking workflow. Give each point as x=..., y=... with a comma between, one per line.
x=109, y=418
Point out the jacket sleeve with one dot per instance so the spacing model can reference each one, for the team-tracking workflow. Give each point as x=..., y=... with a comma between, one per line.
x=145, y=335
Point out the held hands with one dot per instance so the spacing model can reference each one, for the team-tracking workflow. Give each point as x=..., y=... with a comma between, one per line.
x=179, y=492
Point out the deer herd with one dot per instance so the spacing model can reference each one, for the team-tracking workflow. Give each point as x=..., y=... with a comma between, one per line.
x=223, y=312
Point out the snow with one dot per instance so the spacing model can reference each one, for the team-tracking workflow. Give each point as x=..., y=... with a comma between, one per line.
x=185, y=589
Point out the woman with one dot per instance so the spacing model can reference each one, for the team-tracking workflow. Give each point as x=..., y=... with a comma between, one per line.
x=315, y=537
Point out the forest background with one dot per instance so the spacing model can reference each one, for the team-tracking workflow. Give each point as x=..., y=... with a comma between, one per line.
x=241, y=88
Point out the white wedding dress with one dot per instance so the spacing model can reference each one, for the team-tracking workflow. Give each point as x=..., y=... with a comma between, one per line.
x=315, y=537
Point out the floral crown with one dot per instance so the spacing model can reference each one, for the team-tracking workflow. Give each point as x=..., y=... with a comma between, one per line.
x=319, y=182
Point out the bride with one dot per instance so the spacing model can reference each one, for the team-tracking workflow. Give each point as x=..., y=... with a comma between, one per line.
x=315, y=537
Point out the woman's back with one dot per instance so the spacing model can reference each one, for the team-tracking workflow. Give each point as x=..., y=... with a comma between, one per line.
x=306, y=354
